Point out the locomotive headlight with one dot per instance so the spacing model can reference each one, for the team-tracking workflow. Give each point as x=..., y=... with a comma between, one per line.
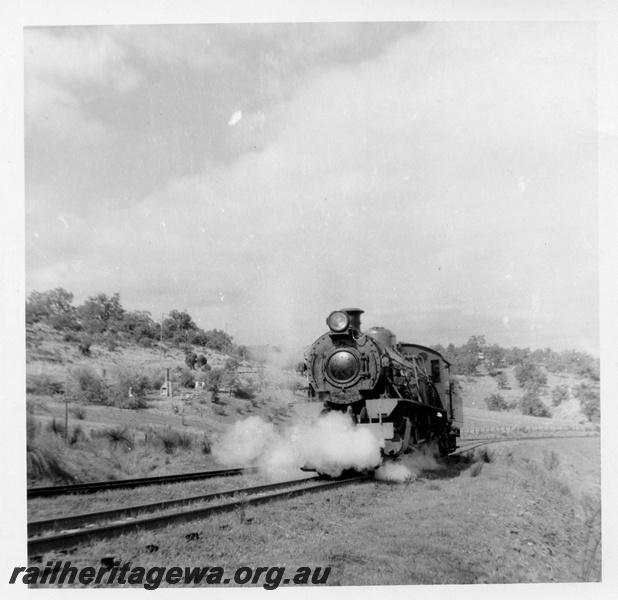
x=343, y=366
x=338, y=321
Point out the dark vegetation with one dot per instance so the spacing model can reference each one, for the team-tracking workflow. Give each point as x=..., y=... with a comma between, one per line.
x=530, y=368
x=103, y=320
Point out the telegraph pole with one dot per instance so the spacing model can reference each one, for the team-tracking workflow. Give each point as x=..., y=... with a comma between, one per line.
x=161, y=338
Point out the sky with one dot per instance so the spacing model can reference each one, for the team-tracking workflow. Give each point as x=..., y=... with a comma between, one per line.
x=442, y=176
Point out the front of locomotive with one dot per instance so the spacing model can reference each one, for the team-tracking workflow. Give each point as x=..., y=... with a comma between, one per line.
x=345, y=371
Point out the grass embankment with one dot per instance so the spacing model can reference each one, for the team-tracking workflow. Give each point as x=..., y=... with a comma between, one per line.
x=516, y=518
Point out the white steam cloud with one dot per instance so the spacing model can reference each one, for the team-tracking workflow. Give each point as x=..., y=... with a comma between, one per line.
x=409, y=466
x=330, y=445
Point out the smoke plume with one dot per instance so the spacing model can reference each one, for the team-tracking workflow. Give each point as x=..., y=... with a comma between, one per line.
x=409, y=466
x=330, y=445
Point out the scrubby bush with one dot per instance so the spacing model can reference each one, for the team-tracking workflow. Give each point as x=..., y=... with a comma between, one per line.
x=484, y=455
x=71, y=337
x=84, y=346
x=145, y=342
x=502, y=381
x=532, y=405
x=44, y=462
x=43, y=385
x=475, y=469
x=201, y=361
x=496, y=402
x=119, y=436
x=173, y=440
x=191, y=359
x=185, y=378
x=551, y=460
x=589, y=400
x=79, y=412
x=56, y=427
x=559, y=394
x=530, y=376
x=85, y=384
x=244, y=392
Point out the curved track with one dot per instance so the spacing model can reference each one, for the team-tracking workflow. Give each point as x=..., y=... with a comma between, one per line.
x=91, y=488
x=69, y=539
x=474, y=443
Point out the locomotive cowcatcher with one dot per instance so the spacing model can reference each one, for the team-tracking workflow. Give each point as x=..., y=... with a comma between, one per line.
x=403, y=392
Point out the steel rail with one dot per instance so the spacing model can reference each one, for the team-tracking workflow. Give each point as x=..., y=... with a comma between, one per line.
x=98, y=486
x=479, y=442
x=70, y=539
x=79, y=520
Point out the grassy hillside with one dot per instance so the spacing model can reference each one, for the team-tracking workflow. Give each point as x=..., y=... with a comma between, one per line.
x=476, y=388
x=118, y=435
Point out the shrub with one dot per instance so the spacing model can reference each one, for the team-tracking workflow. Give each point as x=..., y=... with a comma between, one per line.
x=71, y=337
x=559, y=394
x=589, y=400
x=85, y=384
x=551, y=460
x=112, y=343
x=530, y=376
x=45, y=462
x=201, y=361
x=502, y=381
x=191, y=359
x=186, y=379
x=79, y=412
x=32, y=428
x=206, y=446
x=243, y=392
x=172, y=440
x=531, y=405
x=475, y=469
x=119, y=436
x=43, y=385
x=496, y=402
x=145, y=342
x=484, y=455
x=56, y=427
x=84, y=346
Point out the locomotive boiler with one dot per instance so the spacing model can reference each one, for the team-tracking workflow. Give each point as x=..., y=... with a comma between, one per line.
x=403, y=392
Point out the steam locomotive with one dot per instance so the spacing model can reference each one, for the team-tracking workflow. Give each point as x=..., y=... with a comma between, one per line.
x=402, y=392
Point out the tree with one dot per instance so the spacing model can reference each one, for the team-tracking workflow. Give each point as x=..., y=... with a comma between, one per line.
x=465, y=359
x=496, y=402
x=178, y=326
x=191, y=359
x=138, y=325
x=502, y=381
x=53, y=307
x=101, y=313
x=494, y=356
x=589, y=400
x=532, y=405
x=530, y=376
x=218, y=340
x=559, y=394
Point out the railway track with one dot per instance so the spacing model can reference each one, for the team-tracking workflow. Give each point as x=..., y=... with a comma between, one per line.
x=473, y=443
x=123, y=520
x=91, y=488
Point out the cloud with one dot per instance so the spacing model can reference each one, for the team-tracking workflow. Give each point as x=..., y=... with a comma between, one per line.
x=391, y=183
x=67, y=69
